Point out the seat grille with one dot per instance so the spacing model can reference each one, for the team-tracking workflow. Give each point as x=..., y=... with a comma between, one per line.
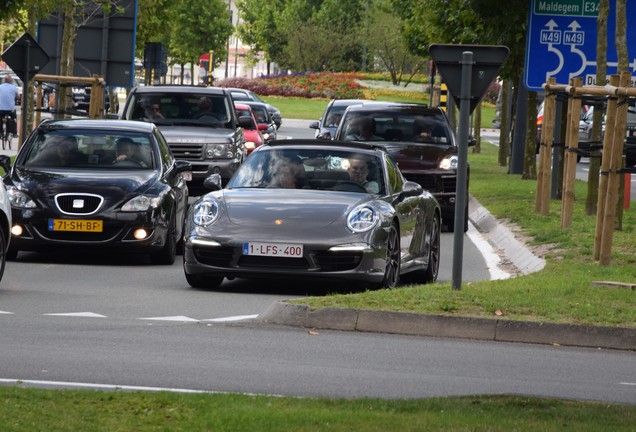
x=78, y=204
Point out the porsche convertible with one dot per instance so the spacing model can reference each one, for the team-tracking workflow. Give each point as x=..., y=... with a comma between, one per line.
x=314, y=209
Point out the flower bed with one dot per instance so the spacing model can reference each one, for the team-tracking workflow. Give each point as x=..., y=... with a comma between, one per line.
x=308, y=85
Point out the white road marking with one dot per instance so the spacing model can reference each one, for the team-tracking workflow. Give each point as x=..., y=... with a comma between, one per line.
x=628, y=383
x=3, y=312
x=97, y=386
x=79, y=314
x=172, y=318
x=489, y=254
x=234, y=318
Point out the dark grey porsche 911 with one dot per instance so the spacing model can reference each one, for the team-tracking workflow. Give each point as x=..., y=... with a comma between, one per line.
x=314, y=209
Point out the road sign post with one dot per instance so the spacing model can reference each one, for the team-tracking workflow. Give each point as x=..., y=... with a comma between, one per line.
x=467, y=70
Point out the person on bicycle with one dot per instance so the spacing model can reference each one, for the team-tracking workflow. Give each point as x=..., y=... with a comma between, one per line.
x=8, y=95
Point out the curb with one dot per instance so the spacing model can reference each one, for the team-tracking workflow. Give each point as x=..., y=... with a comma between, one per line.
x=404, y=323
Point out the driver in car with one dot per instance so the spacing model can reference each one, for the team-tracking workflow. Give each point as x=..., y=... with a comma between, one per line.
x=127, y=150
x=358, y=171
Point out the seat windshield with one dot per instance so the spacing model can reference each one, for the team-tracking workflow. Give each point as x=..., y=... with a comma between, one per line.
x=90, y=150
x=301, y=168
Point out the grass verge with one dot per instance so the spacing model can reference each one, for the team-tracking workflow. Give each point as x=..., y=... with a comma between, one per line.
x=561, y=293
x=54, y=410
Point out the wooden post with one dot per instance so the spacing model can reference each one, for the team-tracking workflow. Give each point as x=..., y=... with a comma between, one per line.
x=608, y=142
x=616, y=157
x=542, y=200
x=571, y=143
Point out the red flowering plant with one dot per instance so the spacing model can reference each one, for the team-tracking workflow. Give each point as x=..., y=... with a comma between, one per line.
x=307, y=85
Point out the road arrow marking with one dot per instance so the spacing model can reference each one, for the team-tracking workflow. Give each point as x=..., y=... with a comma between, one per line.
x=79, y=314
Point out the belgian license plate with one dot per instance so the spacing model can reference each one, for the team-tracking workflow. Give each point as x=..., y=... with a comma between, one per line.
x=78, y=225
x=286, y=250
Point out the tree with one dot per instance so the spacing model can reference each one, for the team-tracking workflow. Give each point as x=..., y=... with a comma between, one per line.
x=390, y=47
x=199, y=26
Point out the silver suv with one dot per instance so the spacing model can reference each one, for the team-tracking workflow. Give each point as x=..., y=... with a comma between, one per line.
x=199, y=123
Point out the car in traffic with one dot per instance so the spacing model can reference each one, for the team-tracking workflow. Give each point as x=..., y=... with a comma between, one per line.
x=328, y=124
x=104, y=184
x=266, y=123
x=245, y=95
x=199, y=123
x=253, y=136
x=430, y=161
x=299, y=209
x=629, y=149
x=5, y=219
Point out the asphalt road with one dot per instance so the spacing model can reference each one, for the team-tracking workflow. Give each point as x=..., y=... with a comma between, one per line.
x=104, y=320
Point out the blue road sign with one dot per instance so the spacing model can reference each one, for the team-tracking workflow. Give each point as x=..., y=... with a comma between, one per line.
x=561, y=41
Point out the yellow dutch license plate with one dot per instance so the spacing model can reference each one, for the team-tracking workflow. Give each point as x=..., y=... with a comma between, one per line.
x=78, y=225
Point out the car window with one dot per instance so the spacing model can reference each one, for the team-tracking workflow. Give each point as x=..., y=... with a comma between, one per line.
x=331, y=170
x=90, y=150
x=396, y=181
x=402, y=126
x=186, y=108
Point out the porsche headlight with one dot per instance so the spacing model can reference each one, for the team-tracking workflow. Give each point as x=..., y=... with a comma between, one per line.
x=141, y=203
x=449, y=162
x=19, y=199
x=362, y=219
x=205, y=212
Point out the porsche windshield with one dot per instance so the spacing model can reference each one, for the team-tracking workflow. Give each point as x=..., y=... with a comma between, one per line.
x=301, y=168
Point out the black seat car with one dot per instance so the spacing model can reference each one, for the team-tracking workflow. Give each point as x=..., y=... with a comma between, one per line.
x=100, y=184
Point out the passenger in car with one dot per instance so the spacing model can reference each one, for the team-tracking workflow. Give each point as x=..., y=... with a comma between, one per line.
x=290, y=175
x=362, y=130
x=359, y=171
x=61, y=153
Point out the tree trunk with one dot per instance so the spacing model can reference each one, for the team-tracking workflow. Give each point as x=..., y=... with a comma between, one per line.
x=504, y=131
x=591, y=200
x=623, y=66
x=530, y=154
x=67, y=56
x=477, y=128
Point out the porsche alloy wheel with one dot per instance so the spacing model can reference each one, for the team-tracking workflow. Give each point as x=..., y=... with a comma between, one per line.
x=392, y=269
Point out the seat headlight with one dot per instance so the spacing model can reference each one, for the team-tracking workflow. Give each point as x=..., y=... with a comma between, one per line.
x=19, y=199
x=362, y=219
x=205, y=212
x=449, y=163
x=141, y=203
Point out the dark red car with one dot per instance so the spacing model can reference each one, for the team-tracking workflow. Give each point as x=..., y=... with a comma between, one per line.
x=419, y=139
